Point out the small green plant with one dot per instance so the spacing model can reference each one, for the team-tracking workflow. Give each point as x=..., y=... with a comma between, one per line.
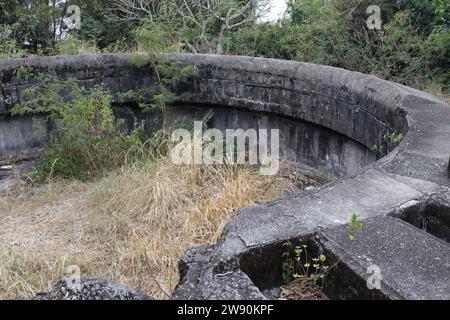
x=298, y=265
x=356, y=225
x=391, y=140
x=377, y=149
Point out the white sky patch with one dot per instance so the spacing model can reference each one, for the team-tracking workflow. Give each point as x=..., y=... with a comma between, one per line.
x=278, y=7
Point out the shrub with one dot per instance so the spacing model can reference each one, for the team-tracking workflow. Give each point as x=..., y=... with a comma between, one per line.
x=71, y=45
x=88, y=140
x=8, y=45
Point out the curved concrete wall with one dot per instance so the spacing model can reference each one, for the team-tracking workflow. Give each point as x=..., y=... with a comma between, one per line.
x=21, y=135
x=326, y=118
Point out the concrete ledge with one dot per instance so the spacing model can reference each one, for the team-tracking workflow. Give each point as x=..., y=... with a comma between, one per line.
x=414, y=265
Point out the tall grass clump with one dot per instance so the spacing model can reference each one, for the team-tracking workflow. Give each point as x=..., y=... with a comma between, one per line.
x=71, y=45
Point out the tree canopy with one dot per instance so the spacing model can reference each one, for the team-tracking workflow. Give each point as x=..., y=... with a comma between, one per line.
x=414, y=38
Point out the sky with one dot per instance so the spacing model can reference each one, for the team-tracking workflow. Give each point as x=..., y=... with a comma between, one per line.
x=277, y=9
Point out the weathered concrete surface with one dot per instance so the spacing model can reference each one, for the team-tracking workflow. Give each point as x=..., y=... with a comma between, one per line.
x=359, y=107
x=365, y=107
x=21, y=134
x=431, y=215
x=309, y=146
x=413, y=264
x=369, y=194
x=91, y=289
x=202, y=279
x=305, y=133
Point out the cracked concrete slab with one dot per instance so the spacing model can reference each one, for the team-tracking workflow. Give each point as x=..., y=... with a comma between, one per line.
x=369, y=194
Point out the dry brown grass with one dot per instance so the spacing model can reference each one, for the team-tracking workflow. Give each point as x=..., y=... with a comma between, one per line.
x=131, y=226
x=301, y=289
x=435, y=89
x=438, y=91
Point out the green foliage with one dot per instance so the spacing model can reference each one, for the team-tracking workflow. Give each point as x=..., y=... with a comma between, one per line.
x=8, y=44
x=26, y=73
x=98, y=27
x=34, y=23
x=391, y=140
x=264, y=40
x=378, y=150
x=158, y=95
x=88, y=140
x=437, y=53
x=71, y=45
x=154, y=41
x=296, y=264
x=356, y=225
x=442, y=11
x=413, y=46
x=85, y=158
x=154, y=37
x=196, y=28
x=76, y=109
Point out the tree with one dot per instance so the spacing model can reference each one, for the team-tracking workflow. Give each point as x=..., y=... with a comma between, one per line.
x=37, y=23
x=201, y=25
x=97, y=26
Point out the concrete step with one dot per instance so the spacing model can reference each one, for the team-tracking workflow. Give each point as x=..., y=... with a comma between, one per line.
x=412, y=263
